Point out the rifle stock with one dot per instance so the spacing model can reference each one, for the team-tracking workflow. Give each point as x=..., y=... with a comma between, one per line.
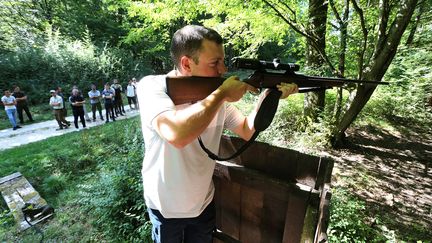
x=183, y=90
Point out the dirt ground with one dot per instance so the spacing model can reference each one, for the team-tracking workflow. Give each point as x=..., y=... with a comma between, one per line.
x=392, y=171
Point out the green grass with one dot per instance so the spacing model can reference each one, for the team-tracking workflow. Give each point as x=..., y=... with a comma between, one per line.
x=60, y=167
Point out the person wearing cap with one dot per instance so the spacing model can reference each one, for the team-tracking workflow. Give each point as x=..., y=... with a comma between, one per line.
x=59, y=91
x=56, y=102
x=9, y=103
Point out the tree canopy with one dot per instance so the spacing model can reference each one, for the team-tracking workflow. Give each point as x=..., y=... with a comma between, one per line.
x=343, y=38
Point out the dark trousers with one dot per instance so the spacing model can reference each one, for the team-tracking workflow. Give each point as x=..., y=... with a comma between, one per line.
x=109, y=111
x=178, y=230
x=78, y=113
x=118, y=106
x=132, y=100
x=97, y=106
x=20, y=109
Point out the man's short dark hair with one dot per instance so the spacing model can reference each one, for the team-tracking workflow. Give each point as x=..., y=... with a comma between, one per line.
x=187, y=42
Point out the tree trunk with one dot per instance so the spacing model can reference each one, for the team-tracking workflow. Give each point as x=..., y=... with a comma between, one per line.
x=314, y=101
x=343, y=25
x=384, y=52
x=410, y=38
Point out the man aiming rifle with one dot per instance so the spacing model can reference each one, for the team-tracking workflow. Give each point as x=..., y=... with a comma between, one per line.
x=177, y=174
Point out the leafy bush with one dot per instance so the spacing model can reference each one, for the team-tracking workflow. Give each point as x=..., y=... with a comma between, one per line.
x=54, y=184
x=349, y=221
x=6, y=218
x=115, y=198
x=405, y=99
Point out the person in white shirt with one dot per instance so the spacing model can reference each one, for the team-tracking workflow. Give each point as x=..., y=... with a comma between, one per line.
x=131, y=95
x=56, y=102
x=9, y=103
x=177, y=174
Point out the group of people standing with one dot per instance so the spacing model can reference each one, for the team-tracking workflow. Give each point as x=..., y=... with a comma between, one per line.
x=14, y=103
x=111, y=96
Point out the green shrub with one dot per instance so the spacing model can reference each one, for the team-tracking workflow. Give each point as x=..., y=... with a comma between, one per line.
x=115, y=198
x=6, y=218
x=54, y=184
x=350, y=222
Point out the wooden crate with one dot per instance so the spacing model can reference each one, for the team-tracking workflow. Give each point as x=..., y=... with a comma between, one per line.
x=272, y=194
x=16, y=191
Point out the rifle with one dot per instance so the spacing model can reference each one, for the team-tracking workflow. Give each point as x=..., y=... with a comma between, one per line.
x=183, y=90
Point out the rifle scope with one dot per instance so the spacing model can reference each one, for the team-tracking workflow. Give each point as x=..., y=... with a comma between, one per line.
x=254, y=64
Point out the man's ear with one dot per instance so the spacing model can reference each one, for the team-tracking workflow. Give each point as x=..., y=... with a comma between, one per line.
x=185, y=65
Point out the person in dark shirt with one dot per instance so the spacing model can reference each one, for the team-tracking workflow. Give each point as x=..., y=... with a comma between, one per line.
x=118, y=101
x=108, y=96
x=77, y=102
x=21, y=100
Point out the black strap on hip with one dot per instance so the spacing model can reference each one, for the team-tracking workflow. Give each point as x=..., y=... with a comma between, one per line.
x=263, y=119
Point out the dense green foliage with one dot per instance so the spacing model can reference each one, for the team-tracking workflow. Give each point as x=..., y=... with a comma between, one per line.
x=62, y=62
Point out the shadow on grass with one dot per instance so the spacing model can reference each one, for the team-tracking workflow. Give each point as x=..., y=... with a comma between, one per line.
x=392, y=171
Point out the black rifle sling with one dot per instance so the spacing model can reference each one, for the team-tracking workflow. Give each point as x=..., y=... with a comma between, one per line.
x=263, y=119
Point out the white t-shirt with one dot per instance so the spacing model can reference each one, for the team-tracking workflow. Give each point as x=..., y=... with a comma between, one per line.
x=130, y=90
x=9, y=99
x=178, y=182
x=93, y=94
x=57, y=99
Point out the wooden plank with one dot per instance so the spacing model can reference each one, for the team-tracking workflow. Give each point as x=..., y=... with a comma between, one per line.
x=254, y=179
x=9, y=177
x=280, y=163
x=295, y=216
x=273, y=219
x=230, y=209
x=251, y=214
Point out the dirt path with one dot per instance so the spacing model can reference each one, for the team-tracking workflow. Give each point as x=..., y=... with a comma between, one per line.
x=392, y=172
x=42, y=130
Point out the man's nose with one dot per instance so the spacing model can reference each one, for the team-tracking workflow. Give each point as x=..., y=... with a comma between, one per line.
x=222, y=69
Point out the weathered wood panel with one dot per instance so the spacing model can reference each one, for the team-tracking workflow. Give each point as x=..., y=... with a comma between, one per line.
x=270, y=194
x=16, y=191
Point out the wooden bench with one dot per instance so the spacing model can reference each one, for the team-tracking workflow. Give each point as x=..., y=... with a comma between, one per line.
x=17, y=191
x=272, y=194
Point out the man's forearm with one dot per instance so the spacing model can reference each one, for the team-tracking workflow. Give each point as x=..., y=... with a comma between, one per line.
x=183, y=126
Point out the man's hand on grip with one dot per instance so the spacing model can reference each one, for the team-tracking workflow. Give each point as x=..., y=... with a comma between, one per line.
x=234, y=89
